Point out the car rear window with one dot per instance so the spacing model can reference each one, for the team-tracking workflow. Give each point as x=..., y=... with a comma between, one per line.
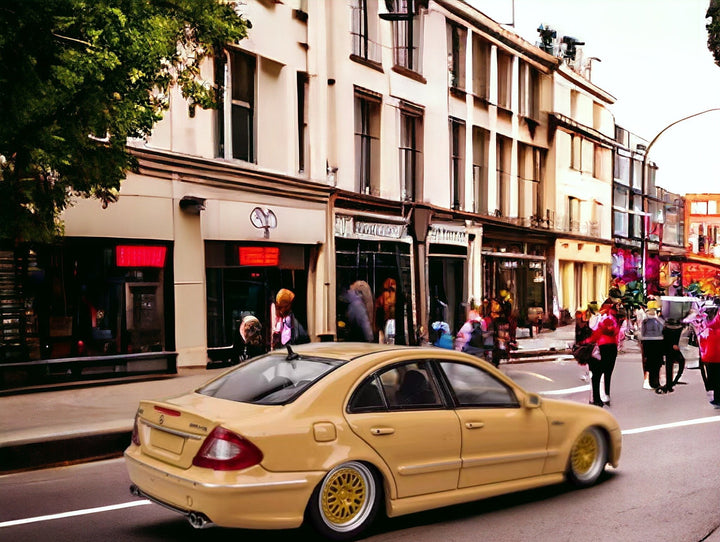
x=273, y=379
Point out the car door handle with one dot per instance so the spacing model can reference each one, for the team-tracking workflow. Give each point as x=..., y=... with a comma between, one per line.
x=474, y=425
x=382, y=430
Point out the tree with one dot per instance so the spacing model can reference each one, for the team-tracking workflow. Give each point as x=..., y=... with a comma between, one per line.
x=713, y=29
x=80, y=77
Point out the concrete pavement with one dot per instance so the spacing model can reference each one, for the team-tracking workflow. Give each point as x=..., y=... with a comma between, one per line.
x=51, y=427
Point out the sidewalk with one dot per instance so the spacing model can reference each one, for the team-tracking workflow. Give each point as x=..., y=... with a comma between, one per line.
x=52, y=427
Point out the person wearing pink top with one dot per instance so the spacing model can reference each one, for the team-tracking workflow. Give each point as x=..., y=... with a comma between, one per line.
x=606, y=335
x=709, y=342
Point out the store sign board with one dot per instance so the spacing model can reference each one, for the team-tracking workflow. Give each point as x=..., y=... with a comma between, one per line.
x=140, y=256
x=348, y=226
x=447, y=235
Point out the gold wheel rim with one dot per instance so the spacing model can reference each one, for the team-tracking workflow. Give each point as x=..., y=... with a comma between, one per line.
x=584, y=453
x=344, y=496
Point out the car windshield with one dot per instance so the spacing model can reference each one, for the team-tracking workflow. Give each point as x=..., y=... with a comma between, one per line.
x=273, y=379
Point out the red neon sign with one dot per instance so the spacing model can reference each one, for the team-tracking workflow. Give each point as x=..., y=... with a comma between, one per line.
x=259, y=256
x=140, y=256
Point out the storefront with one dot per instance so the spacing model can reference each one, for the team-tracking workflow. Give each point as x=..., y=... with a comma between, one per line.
x=376, y=250
x=243, y=279
x=88, y=298
x=448, y=274
x=520, y=269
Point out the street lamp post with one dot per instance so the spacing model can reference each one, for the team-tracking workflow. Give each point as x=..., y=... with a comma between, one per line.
x=644, y=187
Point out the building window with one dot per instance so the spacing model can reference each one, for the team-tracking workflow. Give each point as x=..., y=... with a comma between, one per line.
x=406, y=33
x=637, y=175
x=481, y=141
x=620, y=224
x=235, y=76
x=457, y=39
x=575, y=152
x=302, y=114
x=410, y=152
x=481, y=67
x=503, y=159
x=457, y=149
x=364, y=30
x=573, y=214
x=531, y=164
x=588, y=157
x=699, y=208
x=636, y=224
x=367, y=142
x=505, y=67
x=529, y=91
x=622, y=169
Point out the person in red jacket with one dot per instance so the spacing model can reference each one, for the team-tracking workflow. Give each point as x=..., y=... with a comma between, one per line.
x=606, y=335
x=709, y=342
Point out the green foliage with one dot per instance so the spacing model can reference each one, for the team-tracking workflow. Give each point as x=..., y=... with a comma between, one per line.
x=713, y=29
x=78, y=78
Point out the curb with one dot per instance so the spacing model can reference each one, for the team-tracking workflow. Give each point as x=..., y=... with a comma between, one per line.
x=57, y=452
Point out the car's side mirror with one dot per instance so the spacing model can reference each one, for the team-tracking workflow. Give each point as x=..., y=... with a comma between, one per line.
x=532, y=400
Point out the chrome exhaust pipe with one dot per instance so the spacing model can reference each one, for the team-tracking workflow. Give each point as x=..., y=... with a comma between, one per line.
x=198, y=520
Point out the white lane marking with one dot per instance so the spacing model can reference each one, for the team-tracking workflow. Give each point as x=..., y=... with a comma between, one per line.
x=712, y=419
x=75, y=513
x=541, y=377
x=567, y=391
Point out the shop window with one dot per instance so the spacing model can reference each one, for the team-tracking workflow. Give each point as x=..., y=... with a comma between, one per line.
x=95, y=298
x=235, y=75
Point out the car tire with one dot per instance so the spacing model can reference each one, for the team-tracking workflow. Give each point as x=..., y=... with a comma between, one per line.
x=588, y=457
x=346, y=502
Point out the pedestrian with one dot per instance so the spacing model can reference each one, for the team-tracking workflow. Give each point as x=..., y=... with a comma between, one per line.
x=709, y=342
x=651, y=337
x=462, y=338
x=671, y=348
x=442, y=336
x=606, y=335
x=286, y=329
x=583, y=331
x=249, y=341
x=359, y=328
x=385, y=311
x=502, y=339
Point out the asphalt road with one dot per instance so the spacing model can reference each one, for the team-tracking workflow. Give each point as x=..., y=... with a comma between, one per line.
x=667, y=488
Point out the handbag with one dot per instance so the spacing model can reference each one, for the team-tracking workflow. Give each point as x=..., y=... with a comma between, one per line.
x=583, y=352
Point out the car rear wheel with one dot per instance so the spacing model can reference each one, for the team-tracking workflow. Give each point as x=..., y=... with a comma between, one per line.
x=588, y=457
x=346, y=501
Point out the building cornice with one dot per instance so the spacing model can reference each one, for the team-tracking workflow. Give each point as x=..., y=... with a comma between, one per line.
x=223, y=174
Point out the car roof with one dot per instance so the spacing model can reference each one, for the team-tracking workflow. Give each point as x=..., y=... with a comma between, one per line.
x=346, y=351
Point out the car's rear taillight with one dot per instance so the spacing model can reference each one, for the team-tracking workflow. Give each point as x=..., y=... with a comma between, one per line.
x=225, y=450
x=135, y=432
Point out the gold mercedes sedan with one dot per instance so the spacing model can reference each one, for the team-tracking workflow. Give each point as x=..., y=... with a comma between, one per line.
x=336, y=433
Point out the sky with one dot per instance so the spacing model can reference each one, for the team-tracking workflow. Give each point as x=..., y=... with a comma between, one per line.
x=654, y=60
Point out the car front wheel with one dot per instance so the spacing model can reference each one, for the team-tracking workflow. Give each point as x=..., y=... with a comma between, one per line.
x=346, y=501
x=588, y=457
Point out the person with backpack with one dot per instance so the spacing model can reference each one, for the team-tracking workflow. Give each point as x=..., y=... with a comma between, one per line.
x=606, y=335
x=653, y=347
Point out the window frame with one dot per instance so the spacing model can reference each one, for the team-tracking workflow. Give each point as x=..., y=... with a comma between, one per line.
x=367, y=111
x=227, y=125
x=410, y=151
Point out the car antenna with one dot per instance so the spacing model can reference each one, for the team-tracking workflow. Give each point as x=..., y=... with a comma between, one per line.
x=291, y=354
